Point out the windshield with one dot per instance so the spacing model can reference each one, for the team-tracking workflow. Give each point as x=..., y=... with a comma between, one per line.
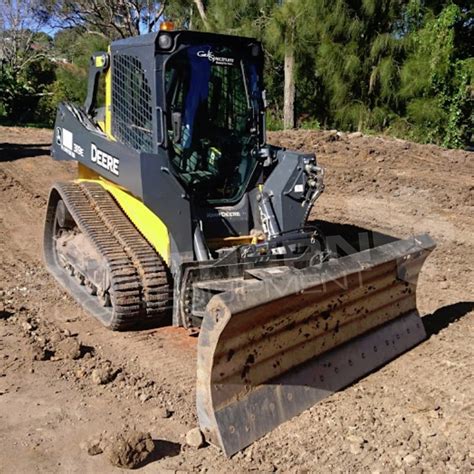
x=212, y=103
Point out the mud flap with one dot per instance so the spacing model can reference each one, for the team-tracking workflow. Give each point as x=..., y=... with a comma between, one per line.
x=268, y=352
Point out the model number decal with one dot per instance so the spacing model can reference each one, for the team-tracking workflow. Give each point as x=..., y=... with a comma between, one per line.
x=65, y=139
x=103, y=159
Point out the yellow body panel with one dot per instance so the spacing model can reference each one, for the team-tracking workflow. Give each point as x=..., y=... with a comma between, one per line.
x=148, y=223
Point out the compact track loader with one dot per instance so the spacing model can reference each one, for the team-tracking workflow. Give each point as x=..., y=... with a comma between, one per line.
x=182, y=214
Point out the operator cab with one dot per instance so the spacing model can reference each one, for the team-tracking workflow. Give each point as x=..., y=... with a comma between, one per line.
x=214, y=104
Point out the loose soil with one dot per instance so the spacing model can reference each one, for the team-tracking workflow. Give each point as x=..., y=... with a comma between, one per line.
x=66, y=382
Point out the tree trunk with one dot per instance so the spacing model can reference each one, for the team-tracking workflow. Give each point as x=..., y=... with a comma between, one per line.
x=202, y=12
x=289, y=90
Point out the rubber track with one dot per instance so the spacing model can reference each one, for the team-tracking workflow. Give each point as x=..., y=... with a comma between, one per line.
x=139, y=286
x=155, y=281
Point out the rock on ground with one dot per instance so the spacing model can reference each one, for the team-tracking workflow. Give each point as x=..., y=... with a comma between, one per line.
x=195, y=438
x=69, y=348
x=38, y=351
x=102, y=375
x=130, y=449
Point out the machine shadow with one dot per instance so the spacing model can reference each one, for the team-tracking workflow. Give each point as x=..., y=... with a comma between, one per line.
x=16, y=151
x=147, y=325
x=446, y=315
x=356, y=238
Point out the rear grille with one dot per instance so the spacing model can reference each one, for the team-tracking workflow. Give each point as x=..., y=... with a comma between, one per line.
x=132, y=116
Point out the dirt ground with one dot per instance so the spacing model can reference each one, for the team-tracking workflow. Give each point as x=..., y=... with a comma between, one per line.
x=414, y=415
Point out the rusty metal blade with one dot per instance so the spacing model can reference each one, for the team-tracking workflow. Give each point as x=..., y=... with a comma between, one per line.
x=271, y=350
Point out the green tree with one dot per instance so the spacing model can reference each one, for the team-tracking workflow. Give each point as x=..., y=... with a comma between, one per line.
x=438, y=80
x=24, y=50
x=70, y=77
x=283, y=35
x=357, y=51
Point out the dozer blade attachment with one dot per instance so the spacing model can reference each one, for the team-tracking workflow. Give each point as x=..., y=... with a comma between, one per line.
x=269, y=351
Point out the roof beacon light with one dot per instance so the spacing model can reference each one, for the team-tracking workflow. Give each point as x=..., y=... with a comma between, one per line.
x=167, y=26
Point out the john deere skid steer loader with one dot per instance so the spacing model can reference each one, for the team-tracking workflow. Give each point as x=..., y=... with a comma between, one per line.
x=182, y=214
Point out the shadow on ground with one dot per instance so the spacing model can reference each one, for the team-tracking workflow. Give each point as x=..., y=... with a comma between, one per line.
x=5, y=314
x=163, y=449
x=446, y=315
x=16, y=151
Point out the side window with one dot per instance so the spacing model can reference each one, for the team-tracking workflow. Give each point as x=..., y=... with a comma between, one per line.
x=177, y=102
x=100, y=99
x=132, y=110
x=177, y=88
